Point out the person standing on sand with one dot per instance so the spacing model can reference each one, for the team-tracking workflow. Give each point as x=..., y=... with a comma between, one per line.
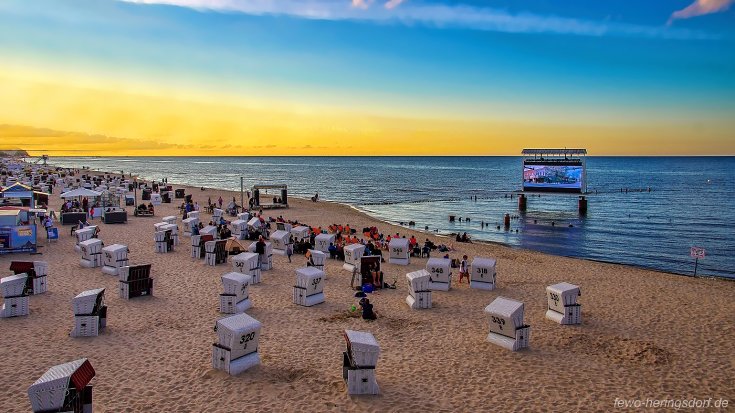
x=220, y=201
x=289, y=249
x=463, y=271
x=260, y=249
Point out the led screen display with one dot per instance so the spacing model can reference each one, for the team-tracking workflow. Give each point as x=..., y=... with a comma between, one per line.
x=558, y=178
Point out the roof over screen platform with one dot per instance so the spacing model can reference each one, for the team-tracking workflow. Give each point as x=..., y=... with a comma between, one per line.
x=554, y=152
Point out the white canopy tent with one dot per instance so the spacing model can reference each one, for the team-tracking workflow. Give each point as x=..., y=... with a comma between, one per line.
x=74, y=193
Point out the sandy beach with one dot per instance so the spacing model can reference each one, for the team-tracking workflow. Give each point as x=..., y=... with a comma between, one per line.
x=644, y=335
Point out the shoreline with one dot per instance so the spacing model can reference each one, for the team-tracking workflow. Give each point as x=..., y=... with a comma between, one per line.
x=447, y=236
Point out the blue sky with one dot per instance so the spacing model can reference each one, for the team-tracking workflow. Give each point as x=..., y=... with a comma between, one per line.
x=570, y=62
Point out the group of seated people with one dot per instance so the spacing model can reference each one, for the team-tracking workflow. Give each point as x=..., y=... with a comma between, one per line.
x=223, y=231
x=301, y=246
x=142, y=208
x=462, y=238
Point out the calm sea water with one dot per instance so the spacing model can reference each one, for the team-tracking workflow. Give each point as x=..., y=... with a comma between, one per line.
x=690, y=202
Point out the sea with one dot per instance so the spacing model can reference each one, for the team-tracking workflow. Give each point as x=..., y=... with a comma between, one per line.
x=642, y=211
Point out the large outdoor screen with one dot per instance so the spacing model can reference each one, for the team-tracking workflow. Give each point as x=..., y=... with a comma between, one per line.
x=552, y=178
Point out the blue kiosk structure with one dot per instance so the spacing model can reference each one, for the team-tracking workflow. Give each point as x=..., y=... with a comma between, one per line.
x=17, y=226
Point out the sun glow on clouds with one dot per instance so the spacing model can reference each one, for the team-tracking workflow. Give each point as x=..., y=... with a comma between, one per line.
x=701, y=8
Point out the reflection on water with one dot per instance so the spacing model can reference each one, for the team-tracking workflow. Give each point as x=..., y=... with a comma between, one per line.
x=690, y=202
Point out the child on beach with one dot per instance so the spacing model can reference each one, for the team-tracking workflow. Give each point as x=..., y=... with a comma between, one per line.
x=289, y=248
x=367, y=310
x=463, y=270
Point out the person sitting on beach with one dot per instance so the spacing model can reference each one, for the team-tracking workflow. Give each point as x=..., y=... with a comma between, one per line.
x=465, y=238
x=309, y=259
x=367, y=310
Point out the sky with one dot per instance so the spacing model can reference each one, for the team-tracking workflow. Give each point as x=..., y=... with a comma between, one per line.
x=366, y=77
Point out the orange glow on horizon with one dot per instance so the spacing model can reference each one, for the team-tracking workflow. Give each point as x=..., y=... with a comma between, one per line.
x=66, y=118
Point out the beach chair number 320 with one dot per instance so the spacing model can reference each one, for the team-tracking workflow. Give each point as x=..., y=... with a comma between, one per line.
x=245, y=338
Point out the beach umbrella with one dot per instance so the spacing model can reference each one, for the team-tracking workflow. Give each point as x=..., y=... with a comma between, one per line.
x=234, y=244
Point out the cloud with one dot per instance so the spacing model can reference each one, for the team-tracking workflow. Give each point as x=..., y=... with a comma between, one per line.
x=361, y=4
x=437, y=15
x=700, y=8
x=391, y=4
x=37, y=139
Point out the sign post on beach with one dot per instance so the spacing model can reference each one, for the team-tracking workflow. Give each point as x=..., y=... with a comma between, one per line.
x=697, y=253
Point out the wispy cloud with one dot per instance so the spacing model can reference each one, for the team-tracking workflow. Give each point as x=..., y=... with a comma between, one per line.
x=700, y=8
x=434, y=15
x=361, y=4
x=391, y=4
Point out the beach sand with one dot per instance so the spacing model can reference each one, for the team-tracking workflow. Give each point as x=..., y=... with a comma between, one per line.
x=645, y=334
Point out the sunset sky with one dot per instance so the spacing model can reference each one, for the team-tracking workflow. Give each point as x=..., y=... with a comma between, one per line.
x=367, y=77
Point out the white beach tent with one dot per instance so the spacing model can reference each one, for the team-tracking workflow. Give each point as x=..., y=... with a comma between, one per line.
x=507, y=329
x=80, y=192
x=359, y=361
x=562, y=303
x=237, y=346
x=62, y=387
